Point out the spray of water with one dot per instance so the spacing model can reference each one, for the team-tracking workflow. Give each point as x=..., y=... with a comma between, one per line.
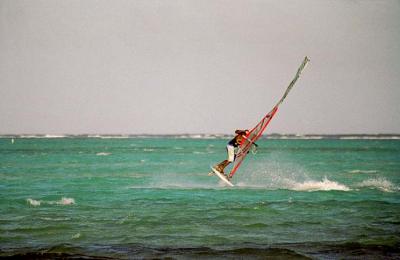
x=277, y=175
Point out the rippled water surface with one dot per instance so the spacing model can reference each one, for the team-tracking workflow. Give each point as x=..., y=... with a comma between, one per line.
x=151, y=197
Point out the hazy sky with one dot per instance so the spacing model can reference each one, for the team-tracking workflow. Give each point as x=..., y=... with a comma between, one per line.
x=157, y=67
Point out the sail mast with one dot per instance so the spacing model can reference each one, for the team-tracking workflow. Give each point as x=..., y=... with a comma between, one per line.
x=257, y=131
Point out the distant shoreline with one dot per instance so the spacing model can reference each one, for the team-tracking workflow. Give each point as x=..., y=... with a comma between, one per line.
x=211, y=136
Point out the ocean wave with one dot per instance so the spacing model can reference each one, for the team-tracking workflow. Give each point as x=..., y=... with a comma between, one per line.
x=33, y=202
x=378, y=183
x=370, y=137
x=114, y=136
x=65, y=201
x=42, y=136
x=29, y=136
x=277, y=177
x=325, y=185
x=62, y=201
x=102, y=154
x=310, y=185
x=76, y=236
x=199, y=152
x=363, y=171
x=54, y=219
x=54, y=136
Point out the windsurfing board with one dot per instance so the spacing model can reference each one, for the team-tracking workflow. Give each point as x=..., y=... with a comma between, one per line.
x=222, y=177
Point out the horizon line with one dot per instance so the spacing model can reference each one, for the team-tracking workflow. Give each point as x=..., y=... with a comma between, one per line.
x=187, y=134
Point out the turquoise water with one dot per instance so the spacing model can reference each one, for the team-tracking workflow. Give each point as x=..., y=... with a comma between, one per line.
x=151, y=197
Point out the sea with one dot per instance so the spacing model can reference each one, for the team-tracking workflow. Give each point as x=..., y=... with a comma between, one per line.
x=150, y=197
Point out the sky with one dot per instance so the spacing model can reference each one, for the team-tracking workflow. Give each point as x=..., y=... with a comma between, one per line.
x=188, y=66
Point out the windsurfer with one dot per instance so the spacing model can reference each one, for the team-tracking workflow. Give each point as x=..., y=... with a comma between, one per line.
x=230, y=149
x=245, y=140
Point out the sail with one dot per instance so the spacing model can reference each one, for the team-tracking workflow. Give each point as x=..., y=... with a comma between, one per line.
x=257, y=131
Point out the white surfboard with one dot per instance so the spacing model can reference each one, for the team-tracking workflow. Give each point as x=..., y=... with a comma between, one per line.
x=222, y=177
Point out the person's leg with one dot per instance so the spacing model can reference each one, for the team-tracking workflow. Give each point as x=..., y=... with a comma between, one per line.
x=231, y=153
x=231, y=156
x=221, y=166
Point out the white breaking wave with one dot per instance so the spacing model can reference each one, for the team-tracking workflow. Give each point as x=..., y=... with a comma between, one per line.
x=108, y=136
x=274, y=175
x=54, y=136
x=325, y=185
x=62, y=201
x=33, y=202
x=29, y=136
x=363, y=171
x=41, y=136
x=372, y=137
x=378, y=183
x=55, y=219
x=102, y=154
x=114, y=137
x=77, y=235
x=66, y=201
x=290, y=183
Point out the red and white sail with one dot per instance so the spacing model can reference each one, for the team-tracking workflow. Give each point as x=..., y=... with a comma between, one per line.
x=257, y=131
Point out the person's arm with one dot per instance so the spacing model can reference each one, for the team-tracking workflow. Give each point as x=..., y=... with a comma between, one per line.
x=244, y=137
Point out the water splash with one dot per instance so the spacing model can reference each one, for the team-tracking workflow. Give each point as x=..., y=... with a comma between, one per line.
x=76, y=236
x=66, y=201
x=103, y=154
x=378, y=183
x=33, y=202
x=325, y=185
x=62, y=201
x=274, y=175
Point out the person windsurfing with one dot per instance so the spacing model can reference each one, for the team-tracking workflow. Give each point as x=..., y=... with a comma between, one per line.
x=230, y=149
x=244, y=140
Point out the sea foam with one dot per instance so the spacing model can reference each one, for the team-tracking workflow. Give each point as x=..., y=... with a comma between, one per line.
x=102, y=154
x=66, y=201
x=325, y=185
x=378, y=183
x=62, y=201
x=33, y=202
x=275, y=175
x=363, y=171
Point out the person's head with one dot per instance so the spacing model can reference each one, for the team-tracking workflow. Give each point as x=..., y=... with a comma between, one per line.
x=242, y=132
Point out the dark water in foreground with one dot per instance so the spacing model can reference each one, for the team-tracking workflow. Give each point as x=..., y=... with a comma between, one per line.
x=152, y=198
